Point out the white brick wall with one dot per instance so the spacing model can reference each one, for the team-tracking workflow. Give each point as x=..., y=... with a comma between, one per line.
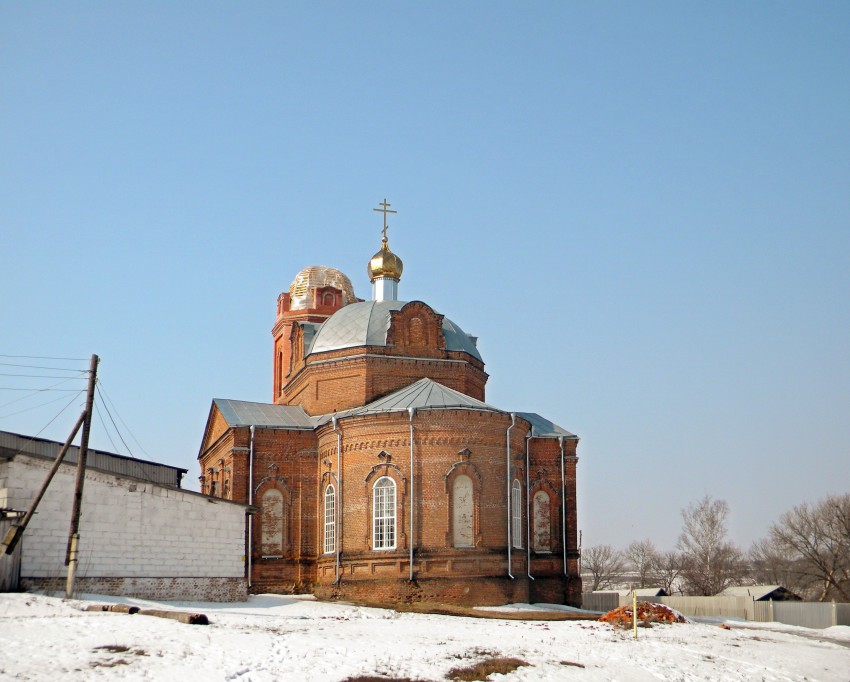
x=128, y=528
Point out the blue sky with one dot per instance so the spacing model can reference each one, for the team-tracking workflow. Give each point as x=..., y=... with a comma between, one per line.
x=640, y=209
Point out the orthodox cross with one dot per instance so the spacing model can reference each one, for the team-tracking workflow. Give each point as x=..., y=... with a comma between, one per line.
x=385, y=209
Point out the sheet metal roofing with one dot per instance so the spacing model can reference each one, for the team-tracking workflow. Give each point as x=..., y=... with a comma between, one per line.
x=543, y=428
x=12, y=444
x=366, y=324
x=756, y=592
x=264, y=415
x=425, y=394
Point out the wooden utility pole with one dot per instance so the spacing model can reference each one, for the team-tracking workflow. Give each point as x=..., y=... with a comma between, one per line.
x=15, y=532
x=74, y=535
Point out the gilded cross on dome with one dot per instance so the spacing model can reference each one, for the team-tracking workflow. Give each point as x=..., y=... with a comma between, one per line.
x=385, y=208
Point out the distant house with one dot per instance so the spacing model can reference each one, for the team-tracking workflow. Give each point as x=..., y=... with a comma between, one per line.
x=761, y=593
x=641, y=592
x=141, y=534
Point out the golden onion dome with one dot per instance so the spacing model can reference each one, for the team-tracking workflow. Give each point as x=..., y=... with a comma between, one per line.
x=314, y=277
x=385, y=263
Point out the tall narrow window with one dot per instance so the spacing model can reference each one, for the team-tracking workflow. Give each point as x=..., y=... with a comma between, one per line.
x=542, y=522
x=330, y=520
x=383, y=514
x=273, y=523
x=516, y=514
x=462, y=534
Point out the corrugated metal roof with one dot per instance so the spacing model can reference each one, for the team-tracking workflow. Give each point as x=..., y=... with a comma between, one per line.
x=109, y=462
x=366, y=324
x=264, y=415
x=543, y=428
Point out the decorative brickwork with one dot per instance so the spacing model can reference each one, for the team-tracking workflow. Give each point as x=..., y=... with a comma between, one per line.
x=443, y=499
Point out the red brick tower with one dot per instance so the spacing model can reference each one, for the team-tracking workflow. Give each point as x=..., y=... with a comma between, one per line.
x=315, y=294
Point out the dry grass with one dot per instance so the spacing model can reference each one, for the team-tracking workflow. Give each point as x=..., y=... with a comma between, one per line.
x=572, y=663
x=481, y=671
x=113, y=648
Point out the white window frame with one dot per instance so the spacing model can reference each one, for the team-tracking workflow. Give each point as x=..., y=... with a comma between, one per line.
x=384, y=514
x=330, y=519
x=516, y=514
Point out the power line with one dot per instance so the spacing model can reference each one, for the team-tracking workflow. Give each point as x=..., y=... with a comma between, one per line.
x=38, y=390
x=40, y=357
x=106, y=430
x=106, y=407
x=39, y=376
x=35, y=407
x=32, y=438
x=138, y=466
x=102, y=390
x=12, y=388
x=59, y=369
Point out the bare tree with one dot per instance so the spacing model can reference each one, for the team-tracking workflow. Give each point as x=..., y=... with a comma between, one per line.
x=770, y=564
x=642, y=556
x=666, y=570
x=816, y=539
x=711, y=562
x=604, y=564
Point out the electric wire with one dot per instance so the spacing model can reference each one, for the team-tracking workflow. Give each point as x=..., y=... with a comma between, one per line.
x=41, y=357
x=142, y=474
x=106, y=430
x=40, y=376
x=35, y=407
x=32, y=438
x=55, y=369
x=38, y=390
x=102, y=390
x=17, y=388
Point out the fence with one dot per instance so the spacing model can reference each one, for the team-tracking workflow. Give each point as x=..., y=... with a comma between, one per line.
x=10, y=564
x=806, y=614
x=600, y=601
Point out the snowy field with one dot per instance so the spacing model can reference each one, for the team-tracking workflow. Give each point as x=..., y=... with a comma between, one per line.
x=296, y=638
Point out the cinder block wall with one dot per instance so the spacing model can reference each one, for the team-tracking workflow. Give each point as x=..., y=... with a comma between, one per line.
x=136, y=538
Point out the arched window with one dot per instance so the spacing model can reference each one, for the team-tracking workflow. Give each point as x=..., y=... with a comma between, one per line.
x=383, y=514
x=330, y=520
x=273, y=523
x=462, y=511
x=542, y=522
x=516, y=514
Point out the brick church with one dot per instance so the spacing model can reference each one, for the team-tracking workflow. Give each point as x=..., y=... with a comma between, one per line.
x=378, y=471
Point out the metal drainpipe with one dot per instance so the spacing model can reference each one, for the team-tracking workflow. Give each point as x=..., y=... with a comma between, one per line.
x=250, y=502
x=410, y=411
x=527, y=510
x=563, y=505
x=338, y=521
x=508, y=477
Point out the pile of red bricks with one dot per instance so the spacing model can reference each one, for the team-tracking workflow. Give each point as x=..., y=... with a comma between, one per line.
x=647, y=612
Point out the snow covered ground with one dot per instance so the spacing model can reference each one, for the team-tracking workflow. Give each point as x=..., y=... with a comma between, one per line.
x=297, y=638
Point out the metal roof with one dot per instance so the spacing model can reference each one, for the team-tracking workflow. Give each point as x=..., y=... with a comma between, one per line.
x=543, y=428
x=425, y=394
x=264, y=415
x=422, y=395
x=366, y=324
x=12, y=444
x=756, y=592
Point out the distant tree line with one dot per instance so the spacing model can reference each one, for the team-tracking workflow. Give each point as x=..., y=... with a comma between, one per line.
x=807, y=551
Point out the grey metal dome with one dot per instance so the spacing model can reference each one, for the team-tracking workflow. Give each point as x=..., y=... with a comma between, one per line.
x=366, y=324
